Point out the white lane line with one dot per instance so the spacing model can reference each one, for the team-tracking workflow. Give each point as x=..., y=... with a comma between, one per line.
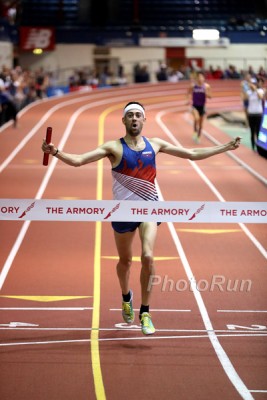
x=54, y=329
x=153, y=309
x=243, y=311
x=133, y=328
x=221, y=354
x=128, y=339
x=258, y=391
x=13, y=252
x=208, y=182
x=45, y=308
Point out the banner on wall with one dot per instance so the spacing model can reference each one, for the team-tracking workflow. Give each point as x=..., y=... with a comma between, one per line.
x=6, y=54
x=37, y=38
x=182, y=42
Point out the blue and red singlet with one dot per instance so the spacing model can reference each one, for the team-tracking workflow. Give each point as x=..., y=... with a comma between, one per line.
x=134, y=179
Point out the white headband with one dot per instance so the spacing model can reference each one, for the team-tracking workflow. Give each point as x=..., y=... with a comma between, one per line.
x=134, y=106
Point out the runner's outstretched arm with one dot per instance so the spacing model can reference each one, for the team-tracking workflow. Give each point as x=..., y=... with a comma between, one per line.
x=76, y=160
x=194, y=154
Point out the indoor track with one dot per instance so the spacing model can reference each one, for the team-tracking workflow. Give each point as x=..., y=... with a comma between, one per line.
x=62, y=335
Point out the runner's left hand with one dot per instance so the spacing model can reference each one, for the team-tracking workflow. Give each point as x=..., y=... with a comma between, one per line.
x=234, y=144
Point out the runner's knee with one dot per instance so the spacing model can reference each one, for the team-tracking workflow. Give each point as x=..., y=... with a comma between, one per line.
x=125, y=262
x=147, y=259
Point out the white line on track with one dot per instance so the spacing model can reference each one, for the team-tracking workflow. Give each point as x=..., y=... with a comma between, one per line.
x=133, y=339
x=45, y=308
x=133, y=328
x=258, y=391
x=220, y=352
x=243, y=311
x=153, y=309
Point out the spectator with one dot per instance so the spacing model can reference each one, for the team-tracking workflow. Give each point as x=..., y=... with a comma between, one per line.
x=7, y=106
x=231, y=73
x=210, y=73
x=255, y=96
x=245, y=87
x=218, y=73
x=162, y=74
x=185, y=71
x=141, y=74
x=173, y=76
x=251, y=71
x=262, y=73
x=104, y=77
x=41, y=83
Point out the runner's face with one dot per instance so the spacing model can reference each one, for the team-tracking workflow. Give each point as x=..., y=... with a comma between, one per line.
x=201, y=79
x=133, y=122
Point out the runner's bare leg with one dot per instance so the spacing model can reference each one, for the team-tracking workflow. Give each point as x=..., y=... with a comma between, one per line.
x=148, y=233
x=124, y=247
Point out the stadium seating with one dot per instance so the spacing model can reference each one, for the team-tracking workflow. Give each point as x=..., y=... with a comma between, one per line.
x=118, y=18
x=146, y=13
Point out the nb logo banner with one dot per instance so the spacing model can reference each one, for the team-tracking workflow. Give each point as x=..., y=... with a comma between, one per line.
x=37, y=37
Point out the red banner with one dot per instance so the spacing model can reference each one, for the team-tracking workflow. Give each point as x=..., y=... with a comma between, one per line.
x=37, y=38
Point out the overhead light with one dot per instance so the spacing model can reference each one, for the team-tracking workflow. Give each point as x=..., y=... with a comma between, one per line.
x=206, y=34
x=37, y=51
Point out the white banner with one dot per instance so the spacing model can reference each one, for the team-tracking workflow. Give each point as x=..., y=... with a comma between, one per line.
x=182, y=42
x=112, y=210
x=6, y=54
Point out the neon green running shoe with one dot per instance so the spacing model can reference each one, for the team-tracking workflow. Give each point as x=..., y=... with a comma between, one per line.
x=196, y=138
x=127, y=310
x=147, y=324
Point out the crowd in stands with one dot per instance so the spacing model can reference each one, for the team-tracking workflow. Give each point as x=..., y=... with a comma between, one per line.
x=19, y=87
x=184, y=72
x=93, y=78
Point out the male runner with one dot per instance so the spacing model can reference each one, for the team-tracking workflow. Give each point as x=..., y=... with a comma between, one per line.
x=199, y=91
x=132, y=160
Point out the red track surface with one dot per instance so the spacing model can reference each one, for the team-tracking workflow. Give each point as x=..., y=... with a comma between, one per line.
x=209, y=344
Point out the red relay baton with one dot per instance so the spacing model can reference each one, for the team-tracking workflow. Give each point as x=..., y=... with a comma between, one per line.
x=48, y=140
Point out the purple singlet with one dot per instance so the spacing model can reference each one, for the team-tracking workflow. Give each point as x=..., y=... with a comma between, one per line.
x=199, y=95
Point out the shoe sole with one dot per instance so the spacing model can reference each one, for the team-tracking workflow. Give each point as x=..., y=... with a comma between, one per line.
x=148, y=333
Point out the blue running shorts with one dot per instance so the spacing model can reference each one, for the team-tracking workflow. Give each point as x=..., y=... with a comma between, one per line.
x=123, y=227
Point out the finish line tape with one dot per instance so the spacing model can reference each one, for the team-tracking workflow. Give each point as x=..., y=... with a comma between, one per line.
x=112, y=210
